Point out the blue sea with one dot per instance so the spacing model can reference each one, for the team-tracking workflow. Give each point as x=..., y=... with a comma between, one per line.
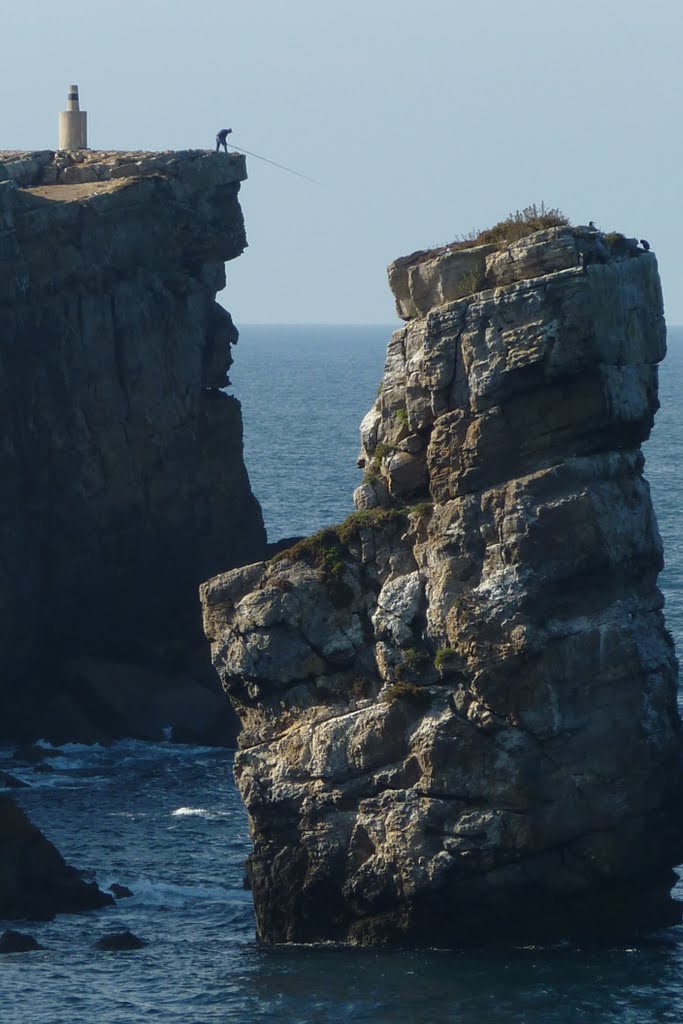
x=166, y=821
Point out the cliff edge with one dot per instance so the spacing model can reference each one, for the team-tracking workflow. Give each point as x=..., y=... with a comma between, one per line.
x=459, y=706
x=121, y=457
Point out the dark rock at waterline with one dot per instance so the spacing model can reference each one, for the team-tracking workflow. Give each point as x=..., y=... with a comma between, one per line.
x=35, y=881
x=118, y=941
x=18, y=942
x=9, y=782
x=120, y=892
x=33, y=753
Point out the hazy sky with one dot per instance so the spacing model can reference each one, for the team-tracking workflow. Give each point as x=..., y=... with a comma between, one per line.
x=421, y=118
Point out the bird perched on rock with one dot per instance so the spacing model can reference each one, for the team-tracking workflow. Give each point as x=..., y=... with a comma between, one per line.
x=645, y=244
x=591, y=224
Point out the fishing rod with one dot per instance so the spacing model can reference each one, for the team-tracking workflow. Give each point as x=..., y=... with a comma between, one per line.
x=281, y=166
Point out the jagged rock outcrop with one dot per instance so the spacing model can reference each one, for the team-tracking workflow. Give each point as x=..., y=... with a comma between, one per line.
x=459, y=707
x=35, y=881
x=120, y=455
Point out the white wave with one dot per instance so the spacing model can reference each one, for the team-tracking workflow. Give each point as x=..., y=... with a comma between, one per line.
x=147, y=891
x=69, y=764
x=199, y=812
x=73, y=748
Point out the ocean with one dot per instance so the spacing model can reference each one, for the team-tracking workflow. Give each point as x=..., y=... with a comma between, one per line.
x=166, y=820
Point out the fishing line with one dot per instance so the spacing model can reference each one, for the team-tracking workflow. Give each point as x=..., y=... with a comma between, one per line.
x=281, y=166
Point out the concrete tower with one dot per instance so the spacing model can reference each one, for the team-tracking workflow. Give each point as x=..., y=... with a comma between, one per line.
x=73, y=123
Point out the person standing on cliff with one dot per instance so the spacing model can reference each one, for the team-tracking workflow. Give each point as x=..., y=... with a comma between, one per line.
x=221, y=139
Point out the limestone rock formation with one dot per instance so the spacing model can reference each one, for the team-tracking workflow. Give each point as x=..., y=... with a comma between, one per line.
x=35, y=881
x=120, y=455
x=459, y=707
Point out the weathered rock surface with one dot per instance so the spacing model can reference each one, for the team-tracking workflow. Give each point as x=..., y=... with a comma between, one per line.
x=35, y=881
x=120, y=455
x=459, y=707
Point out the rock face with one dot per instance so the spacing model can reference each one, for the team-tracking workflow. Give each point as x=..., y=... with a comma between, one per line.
x=35, y=881
x=459, y=707
x=121, y=458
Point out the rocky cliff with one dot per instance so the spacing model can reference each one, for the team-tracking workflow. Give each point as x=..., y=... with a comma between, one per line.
x=120, y=455
x=459, y=707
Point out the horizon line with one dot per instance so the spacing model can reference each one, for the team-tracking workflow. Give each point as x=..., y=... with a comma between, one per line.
x=342, y=323
x=315, y=323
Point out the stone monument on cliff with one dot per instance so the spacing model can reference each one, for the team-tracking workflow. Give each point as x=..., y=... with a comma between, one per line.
x=73, y=123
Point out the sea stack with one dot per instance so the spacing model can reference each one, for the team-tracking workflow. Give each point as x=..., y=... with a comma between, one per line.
x=458, y=707
x=121, y=459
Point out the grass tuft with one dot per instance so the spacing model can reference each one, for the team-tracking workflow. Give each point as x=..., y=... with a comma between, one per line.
x=520, y=224
x=418, y=696
x=442, y=655
x=414, y=659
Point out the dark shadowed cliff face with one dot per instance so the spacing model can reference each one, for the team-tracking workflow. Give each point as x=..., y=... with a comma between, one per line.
x=35, y=881
x=459, y=707
x=120, y=458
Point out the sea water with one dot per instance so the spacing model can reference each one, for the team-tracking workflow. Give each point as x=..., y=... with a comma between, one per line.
x=166, y=820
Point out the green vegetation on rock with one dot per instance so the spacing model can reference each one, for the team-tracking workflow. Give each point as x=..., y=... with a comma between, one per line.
x=419, y=696
x=421, y=508
x=381, y=451
x=442, y=655
x=327, y=549
x=517, y=225
x=619, y=244
x=472, y=282
x=320, y=549
x=414, y=659
x=367, y=519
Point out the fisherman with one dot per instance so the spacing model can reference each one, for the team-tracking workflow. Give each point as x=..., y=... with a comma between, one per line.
x=221, y=139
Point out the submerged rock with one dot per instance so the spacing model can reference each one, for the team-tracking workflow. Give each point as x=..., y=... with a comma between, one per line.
x=120, y=892
x=120, y=453
x=118, y=941
x=34, y=754
x=8, y=781
x=459, y=707
x=18, y=942
x=35, y=881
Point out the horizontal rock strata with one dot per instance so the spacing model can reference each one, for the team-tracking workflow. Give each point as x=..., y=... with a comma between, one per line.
x=120, y=455
x=459, y=707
